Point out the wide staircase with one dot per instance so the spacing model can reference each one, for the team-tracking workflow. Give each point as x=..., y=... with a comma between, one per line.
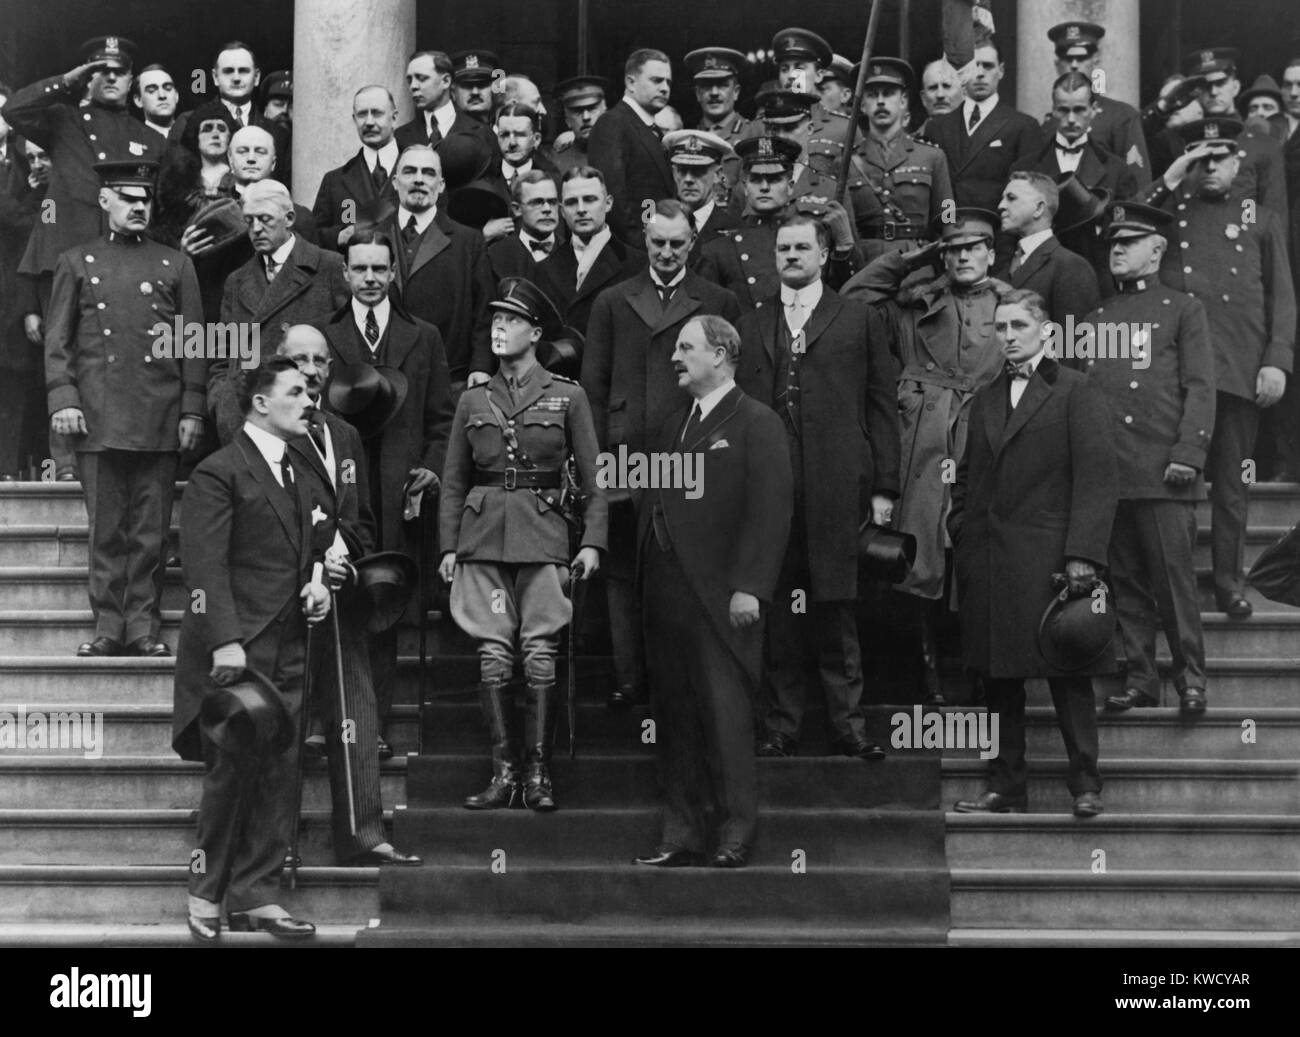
x=1200, y=840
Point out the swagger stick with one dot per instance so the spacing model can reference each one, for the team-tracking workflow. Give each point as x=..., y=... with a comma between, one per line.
x=289, y=876
x=847, y=158
x=342, y=719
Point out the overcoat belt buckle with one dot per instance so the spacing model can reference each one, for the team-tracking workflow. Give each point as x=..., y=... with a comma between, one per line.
x=888, y=229
x=509, y=477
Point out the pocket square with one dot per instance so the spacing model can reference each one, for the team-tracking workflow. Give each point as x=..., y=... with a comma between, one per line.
x=318, y=515
x=995, y=144
x=721, y=444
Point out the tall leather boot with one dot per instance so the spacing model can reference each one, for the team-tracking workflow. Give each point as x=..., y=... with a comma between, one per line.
x=503, y=791
x=539, y=736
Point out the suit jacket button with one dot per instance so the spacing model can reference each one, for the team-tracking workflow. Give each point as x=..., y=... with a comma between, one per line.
x=752, y=280
x=744, y=256
x=1128, y=419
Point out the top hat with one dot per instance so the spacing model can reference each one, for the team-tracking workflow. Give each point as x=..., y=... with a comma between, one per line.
x=886, y=554
x=248, y=717
x=368, y=397
x=1072, y=635
x=715, y=63
x=386, y=580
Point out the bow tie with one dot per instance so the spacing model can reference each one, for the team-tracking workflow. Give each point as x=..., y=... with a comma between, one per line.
x=1015, y=371
x=544, y=247
x=1070, y=150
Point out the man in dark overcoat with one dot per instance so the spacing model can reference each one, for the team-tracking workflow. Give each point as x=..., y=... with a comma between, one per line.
x=1035, y=495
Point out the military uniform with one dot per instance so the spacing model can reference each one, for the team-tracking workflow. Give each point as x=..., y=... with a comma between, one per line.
x=99, y=357
x=501, y=514
x=732, y=129
x=909, y=180
x=1163, y=414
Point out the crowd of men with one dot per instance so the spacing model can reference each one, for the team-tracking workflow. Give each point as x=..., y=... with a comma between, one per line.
x=850, y=323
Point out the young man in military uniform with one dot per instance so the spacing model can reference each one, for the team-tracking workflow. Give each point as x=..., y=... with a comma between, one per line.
x=127, y=410
x=800, y=57
x=908, y=176
x=835, y=83
x=582, y=101
x=716, y=73
x=1162, y=414
x=510, y=442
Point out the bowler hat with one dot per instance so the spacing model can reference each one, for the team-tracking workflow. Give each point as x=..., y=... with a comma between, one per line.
x=1077, y=626
x=1264, y=86
x=886, y=554
x=464, y=159
x=478, y=202
x=561, y=353
x=223, y=218
x=387, y=580
x=368, y=397
x=248, y=717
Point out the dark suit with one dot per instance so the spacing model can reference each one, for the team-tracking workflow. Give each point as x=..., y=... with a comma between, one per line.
x=351, y=183
x=248, y=544
x=307, y=289
x=22, y=365
x=1064, y=279
x=417, y=132
x=720, y=220
x=508, y=257
x=632, y=388
x=695, y=554
x=446, y=282
x=631, y=156
x=980, y=161
x=557, y=276
x=844, y=446
x=1035, y=488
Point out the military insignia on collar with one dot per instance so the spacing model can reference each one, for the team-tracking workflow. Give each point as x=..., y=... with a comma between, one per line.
x=1232, y=231
x=146, y=288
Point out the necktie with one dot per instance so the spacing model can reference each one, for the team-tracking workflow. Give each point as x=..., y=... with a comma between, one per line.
x=796, y=315
x=692, y=423
x=372, y=329
x=239, y=119
x=409, y=232
x=974, y=119
x=1017, y=261
x=317, y=432
x=1018, y=371
x=272, y=268
x=379, y=176
x=435, y=134
x=665, y=293
x=286, y=473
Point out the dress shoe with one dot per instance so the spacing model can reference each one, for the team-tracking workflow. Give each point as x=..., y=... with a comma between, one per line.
x=859, y=750
x=1088, y=804
x=149, y=647
x=385, y=750
x=205, y=929
x=1192, y=701
x=776, y=745
x=67, y=477
x=381, y=858
x=101, y=646
x=283, y=928
x=993, y=803
x=672, y=857
x=1234, y=605
x=1131, y=699
x=733, y=855
x=622, y=697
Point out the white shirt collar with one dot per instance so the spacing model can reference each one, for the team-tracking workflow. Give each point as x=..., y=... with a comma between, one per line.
x=422, y=219
x=269, y=445
x=1035, y=360
x=707, y=403
x=387, y=155
x=444, y=115
x=1031, y=241
x=985, y=106
x=528, y=240
x=510, y=172
x=1061, y=142
x=703, y=213
x=163, y=130
x=678, y=279
x=240, y=111
x=598, y=241
x=809, y=295
x=382, y=312
x=282, y=253
x=642, y=114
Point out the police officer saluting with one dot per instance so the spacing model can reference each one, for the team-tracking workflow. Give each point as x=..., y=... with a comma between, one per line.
x=128, y=410
x=503, y=520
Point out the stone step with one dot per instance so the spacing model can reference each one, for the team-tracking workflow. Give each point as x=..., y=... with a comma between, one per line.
x=128, y=836
x=47, y=503
x=1241, y=683
x=468, y=930
x=1150, y=938
x=160, y=783
x=1151, y=785
x=1177, y=899
x=1258, y=537
x=155, y=894
x=1272, y=505
x=53, y=545
x=63, y=587
x=117, y=934
x=1132, y=842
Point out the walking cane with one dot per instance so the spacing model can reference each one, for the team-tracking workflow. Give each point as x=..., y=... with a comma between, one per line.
x=423, y=615
x=289, y=876
x=872, y=21
x=343, y=713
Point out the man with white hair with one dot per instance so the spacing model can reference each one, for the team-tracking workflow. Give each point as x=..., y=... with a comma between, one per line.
x=941, y=89
x=287, y=281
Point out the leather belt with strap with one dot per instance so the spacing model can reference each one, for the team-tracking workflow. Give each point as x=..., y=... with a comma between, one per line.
x=893, y=231
x=937, y=376
x=515, y=479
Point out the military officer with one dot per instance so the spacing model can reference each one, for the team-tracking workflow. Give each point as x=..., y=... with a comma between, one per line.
x=1162, y=408
x=582, y=101
x=127, y=399
x=1234, y=259
x=697, y=159
x=744, y=260
x=800, y=56
x=835, y=83
x=502, y=521
x=716, y=73
x=1117, y=126
x=908, y=176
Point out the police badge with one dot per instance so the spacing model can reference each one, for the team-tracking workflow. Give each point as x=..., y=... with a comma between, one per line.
x=1232, y=231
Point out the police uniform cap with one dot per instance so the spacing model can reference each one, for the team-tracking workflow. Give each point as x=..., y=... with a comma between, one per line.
x=695, y=148
x=715, y=63
x=278, y=84
x=520, y=296
x=473, y=66
x=970, y=226
x=1212, y=62
x=785, y=106
x=775, y=153
x=577, y=89
x=1075, y=39
x=888, y=72
x=840, y=69
x=1264, y=86
x=108, y=48
x=1135, y=220
x=1219, y=131
x=800, y=44
x=130, y=179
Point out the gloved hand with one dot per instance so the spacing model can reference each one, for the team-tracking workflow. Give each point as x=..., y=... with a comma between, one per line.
x=228, y=663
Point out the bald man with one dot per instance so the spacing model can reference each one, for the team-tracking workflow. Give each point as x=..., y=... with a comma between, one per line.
x=286, y=281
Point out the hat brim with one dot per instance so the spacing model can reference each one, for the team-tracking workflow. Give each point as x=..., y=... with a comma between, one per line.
x=378, y=413
x=248, y=717
x=886, y=554
x=1127, y=233
x=387, y=580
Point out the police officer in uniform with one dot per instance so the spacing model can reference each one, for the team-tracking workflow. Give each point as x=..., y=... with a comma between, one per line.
x=716, y=73
x=128, y=410
x=1162, y=410
x=744, y=260
x=908, y=176
x=502, y=522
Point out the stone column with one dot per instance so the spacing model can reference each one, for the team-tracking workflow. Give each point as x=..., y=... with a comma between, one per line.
x=1034, y=57
x=339, y=46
